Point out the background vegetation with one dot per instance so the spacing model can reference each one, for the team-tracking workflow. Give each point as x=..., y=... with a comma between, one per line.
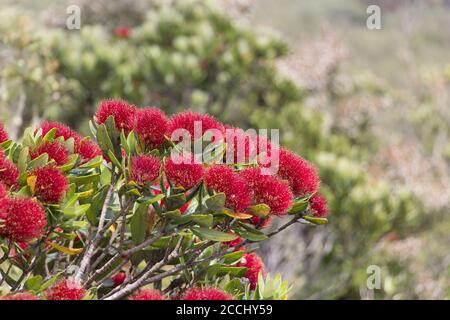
x=371, y=108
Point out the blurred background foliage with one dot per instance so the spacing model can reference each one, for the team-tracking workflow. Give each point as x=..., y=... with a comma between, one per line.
x=370, y=108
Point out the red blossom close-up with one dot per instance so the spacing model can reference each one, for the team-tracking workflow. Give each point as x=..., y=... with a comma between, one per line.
x=65, y=290
x=51, y=184
x=319, y=206
x=144, y=169
x=268, y=190
x=222, y=178
x=24, y=219
x=55, y=150
x=151, y=126
x=254, y=266
x=207, y=293
x=121, y=111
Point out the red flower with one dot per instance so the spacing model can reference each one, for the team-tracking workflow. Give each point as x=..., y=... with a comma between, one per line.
x=87, y=150
x=151, y=126
x=3, y=191
x=25, y=219
x=65, y=290
x=187, y=120
x=254, y=266
x=144, y=169
x=182, y=171
x=61, y=131
x=122, y=32
x=269, y=190
x=9, y=174
x=119, y=278
x=148, y=294
x=3, y=134
x=50, y=184
x=301, y=175
x=206, y=294
x=20, y=296
x=257, y=220
x=222, y=178
x=55, y=151
x=318, y=206
x=120, y=110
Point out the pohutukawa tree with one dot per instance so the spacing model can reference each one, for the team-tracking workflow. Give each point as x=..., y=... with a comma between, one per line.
x=132, y=215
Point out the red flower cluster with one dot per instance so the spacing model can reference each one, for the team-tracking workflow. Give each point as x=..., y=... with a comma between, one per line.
x=182, y=171
x=187, y=120
x=20, y=296
x=3, y=134
x=222, y=178
x=50, y=184
x=55, y=150
x=151, y=126
x=65, y=290
x=61, y=131
x=301, y=175
x=269, y=190
x=24, y=219
x=148, y=294
x=9, y=174
x=85, y=148
x=318, y=206
x=144, y=169
x=254, y=266
x=206, y=294
x=121, y=111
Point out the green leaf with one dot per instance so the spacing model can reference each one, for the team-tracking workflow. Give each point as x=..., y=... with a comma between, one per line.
x=97, y=204
x=221, y=270
x=314, y=220
x=233, y=287
x=172, y=214
x=252, y=235
x=151, y=199
x=261, y=210
x=34, y=283
x=50, y=135
x=232, y=257
x=76, y=211
x=214, y=235
x=215, y=202
x=138, y=223
x=103, y=139
x=70, y=164
x=299, y=206
x=82, y=180
x=38, y=162
x=23, y=159
x=93, y=163
x=205, y=220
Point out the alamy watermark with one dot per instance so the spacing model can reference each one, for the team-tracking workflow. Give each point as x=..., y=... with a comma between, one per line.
x=373, y=21
x=373, y=277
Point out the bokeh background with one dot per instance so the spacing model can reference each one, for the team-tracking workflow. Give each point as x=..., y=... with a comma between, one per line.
x=370, y=107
